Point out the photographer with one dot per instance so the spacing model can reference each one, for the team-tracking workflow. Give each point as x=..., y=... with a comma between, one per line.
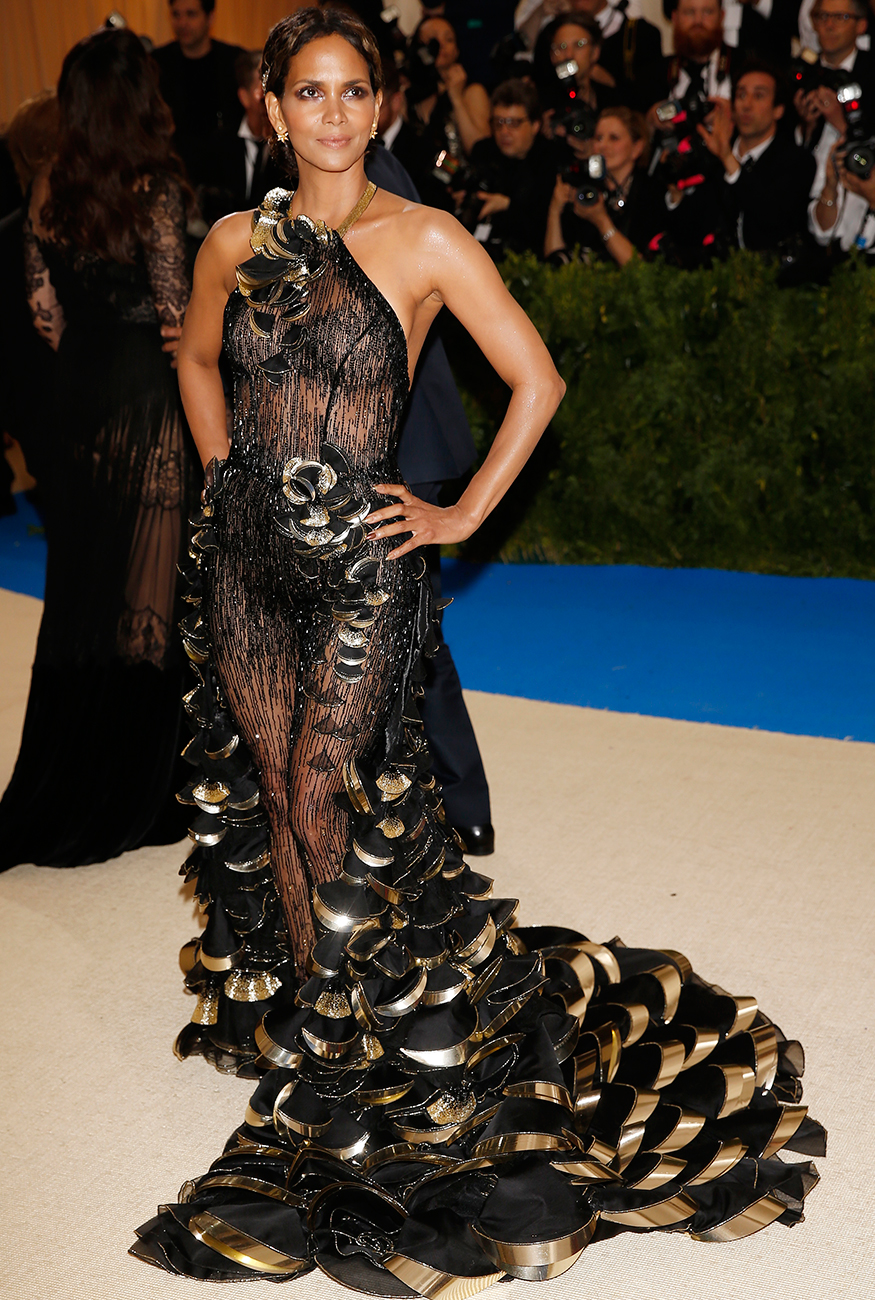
x=839, y=23
x=702, y=60
x=566, y=53
x=511, y=175
x=440, y=95
x=766, y=177
x=610, y=218
x=842, y=214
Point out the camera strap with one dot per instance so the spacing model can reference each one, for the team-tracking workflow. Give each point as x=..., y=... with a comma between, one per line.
x=630, y=41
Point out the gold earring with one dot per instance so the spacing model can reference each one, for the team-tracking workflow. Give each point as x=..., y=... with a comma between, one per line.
x=282, y=135
x=374, y=130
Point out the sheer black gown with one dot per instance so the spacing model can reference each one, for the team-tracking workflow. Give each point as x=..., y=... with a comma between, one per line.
x=444, y=1099
x=95, y=771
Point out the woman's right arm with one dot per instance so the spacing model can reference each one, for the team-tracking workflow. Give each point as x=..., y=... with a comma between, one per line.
x=201, y=344
x=45, y=309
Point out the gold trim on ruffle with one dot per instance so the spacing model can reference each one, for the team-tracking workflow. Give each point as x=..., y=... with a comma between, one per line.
x=753, y=1219
x=537, y=1261
x=664, y=1214
x=241, y=1248
x=288, y=1059
x=432, y=1283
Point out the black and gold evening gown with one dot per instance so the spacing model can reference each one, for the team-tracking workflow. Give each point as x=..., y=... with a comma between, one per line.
x=95, y=772
x=444, y=1099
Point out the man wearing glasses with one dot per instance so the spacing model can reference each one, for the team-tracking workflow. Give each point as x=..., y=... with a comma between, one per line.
x=839, y=24
x=518, y=170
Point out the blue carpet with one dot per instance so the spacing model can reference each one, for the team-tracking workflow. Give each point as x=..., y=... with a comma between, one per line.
x=742, y=649
x=23, y=550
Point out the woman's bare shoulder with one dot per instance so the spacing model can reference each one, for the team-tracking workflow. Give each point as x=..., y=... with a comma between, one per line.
x=225, y=247
x=421, y=227
x=230, y=234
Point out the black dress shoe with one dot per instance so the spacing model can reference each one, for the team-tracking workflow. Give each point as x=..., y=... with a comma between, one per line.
x=477, y=841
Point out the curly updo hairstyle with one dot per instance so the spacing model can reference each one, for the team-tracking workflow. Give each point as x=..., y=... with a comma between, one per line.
x=289, y=36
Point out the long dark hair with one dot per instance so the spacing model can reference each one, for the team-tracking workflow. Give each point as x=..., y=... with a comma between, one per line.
x=115, y=137
x=290, y=35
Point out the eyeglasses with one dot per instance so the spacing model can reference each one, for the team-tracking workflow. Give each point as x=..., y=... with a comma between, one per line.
x=570, y=45
x=821, y=19
x=513, y=122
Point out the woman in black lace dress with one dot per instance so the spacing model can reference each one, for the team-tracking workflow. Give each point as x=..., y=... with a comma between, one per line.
x=106, y=268
x=444, y=1098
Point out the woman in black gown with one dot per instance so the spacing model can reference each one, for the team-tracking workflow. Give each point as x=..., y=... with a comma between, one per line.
x=444, y=1099
x=106, y=268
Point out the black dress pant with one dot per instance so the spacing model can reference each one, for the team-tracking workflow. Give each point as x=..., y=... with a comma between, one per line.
x=456, y=760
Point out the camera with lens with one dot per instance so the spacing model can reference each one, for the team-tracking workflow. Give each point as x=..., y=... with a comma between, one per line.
x=679, y=152
x=589, y=177
x=858, y=152
x=485, y=180
x=808, y=73
x=575, y=117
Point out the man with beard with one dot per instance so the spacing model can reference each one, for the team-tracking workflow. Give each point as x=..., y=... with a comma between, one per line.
x=701, y=60
x=761, y=28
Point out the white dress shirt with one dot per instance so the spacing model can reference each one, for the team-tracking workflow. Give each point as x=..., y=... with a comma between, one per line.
x=254, y=147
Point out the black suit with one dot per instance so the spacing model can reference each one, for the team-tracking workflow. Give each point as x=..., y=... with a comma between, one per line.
x=228, y=191
x=202, y=96
x=436, y=446
x=769, y=200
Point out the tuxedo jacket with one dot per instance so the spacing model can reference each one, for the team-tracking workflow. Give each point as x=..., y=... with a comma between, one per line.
x=436, y=442
x=226, y=190
x=769, y=201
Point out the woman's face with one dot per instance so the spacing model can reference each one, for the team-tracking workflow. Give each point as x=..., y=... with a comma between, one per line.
x=438, y=29
x=573, y=42
x=614, y=141
x=328, y=106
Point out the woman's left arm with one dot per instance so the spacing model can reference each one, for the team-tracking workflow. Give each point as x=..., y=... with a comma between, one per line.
x=462, y=276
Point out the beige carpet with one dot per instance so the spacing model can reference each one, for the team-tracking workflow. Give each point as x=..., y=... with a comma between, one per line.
x=750, y=852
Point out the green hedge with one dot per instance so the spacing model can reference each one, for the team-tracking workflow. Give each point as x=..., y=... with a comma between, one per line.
x=712, y=419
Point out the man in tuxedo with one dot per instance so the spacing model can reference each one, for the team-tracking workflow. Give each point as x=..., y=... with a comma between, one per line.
x=839, y=24
x=702, y=59
x=242, y=169
x=766, y=176
x=198, y=81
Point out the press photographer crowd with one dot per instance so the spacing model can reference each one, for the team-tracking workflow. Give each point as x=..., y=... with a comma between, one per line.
x=559, y=126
